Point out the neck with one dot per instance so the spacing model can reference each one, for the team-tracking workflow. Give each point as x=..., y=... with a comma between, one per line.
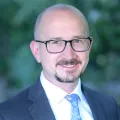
x=67, y=87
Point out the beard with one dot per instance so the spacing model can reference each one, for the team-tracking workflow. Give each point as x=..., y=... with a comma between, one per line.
x=69, y=77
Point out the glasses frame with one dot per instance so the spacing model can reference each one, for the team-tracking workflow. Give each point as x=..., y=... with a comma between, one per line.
x=70, y=41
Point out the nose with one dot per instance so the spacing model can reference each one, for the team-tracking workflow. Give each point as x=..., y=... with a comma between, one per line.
x=68, y=51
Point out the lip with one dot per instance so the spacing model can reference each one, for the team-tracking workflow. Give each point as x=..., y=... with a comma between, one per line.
x=70, y=67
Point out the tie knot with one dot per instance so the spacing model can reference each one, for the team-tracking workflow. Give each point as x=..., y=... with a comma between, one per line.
x=73, y=99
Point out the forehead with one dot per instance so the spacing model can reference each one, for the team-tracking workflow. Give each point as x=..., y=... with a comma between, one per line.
x=57, y=22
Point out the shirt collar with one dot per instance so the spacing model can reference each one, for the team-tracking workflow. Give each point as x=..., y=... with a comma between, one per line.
x=56, y=94
x=78, y=90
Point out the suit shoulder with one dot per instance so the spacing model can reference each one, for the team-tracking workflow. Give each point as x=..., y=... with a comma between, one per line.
x=15, y=102
x=107, y=104
x=98, y=95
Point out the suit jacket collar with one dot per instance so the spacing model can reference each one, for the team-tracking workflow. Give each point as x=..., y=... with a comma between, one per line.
x=95, y=107
x=40, y=108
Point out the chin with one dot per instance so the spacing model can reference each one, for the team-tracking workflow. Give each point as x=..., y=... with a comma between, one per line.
x=67, y=79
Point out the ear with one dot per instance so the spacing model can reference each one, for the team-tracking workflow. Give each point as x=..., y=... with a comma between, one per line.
x=35, y=50
x=91, y=42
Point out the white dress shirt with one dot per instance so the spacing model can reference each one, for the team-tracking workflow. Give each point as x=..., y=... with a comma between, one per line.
x=60, y=106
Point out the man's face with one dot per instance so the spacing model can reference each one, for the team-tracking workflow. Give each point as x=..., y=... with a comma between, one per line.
x=67, y=65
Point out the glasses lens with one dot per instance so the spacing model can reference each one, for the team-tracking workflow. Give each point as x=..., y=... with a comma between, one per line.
x=55, y=46
x=80, y=44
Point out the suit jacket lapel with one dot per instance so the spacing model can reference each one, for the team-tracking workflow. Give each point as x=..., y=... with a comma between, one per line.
x=96, y=108
x=40, y=108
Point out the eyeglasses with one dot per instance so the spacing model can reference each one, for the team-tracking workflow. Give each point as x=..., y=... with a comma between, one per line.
x=58, y=46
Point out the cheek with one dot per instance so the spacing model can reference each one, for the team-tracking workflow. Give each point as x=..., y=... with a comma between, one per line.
x=48, y=61
x=84, y=58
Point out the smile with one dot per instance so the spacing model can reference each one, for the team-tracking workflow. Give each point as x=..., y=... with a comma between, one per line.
x=70, y=67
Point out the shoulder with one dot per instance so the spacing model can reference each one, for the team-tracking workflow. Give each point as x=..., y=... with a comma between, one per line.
x=105, y=102
x=15, y=104
x=18, y=106
x=14, y=100
x=96, y=95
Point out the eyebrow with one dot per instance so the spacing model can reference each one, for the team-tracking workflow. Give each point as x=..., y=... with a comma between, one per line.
x=56, y=38
x=60, y=38
x=78, y=37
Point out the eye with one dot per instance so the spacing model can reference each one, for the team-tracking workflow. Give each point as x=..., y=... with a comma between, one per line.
x=55, y=42
x=77, y=41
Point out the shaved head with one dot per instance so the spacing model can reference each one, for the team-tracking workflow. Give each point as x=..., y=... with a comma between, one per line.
x=59, y=10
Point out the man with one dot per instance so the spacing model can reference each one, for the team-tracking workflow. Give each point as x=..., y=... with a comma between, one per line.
x=62, y=45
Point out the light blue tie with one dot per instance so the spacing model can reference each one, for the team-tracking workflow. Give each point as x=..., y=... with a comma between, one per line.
x=73, y=99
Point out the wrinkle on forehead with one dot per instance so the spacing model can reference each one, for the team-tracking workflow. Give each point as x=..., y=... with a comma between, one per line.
x=57, y=9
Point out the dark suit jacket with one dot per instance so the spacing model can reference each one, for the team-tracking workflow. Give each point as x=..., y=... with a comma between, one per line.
x=32, y=104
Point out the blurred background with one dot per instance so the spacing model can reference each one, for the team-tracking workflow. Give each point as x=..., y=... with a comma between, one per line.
x=18, y=68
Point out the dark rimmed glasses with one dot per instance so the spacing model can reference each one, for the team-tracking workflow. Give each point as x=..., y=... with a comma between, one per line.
x=58, y=46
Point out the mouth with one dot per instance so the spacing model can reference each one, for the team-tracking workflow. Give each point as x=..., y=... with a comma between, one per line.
x=68, y=66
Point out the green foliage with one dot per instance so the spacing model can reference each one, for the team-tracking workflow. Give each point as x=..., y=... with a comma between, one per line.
x=17, y=19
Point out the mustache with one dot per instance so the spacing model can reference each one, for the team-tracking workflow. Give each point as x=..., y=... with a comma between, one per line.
x=69, y=62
